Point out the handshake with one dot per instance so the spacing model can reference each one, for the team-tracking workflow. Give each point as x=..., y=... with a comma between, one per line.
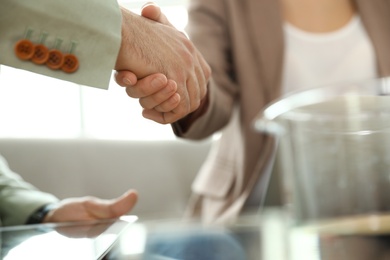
x=160, y=66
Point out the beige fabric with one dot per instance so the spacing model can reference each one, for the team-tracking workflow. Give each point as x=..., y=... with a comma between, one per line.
x=94, y=25
x=243, y=43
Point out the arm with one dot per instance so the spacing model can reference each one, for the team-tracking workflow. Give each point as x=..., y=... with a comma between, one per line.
x=191, y=84
x=18, y=199
x=106, y=37
x=91, y=30
x=207, y=29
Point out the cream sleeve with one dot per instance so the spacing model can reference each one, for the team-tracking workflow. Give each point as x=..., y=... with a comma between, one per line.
x=84, y=33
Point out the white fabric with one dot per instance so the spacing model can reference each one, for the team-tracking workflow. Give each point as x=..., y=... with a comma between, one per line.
x=317, y=59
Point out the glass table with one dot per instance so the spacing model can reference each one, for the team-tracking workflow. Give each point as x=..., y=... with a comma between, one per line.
x=269, y=237
x=74, y=240
x=170, y=239
x=252, y=237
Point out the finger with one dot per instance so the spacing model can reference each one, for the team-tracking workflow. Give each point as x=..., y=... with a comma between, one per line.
x=169, y=104
x=153, y=12
x=206, y=69
x=196, y=87
x=125, y=78
x=106, y=209
x=123, y=204
x=185, y=101
x=154, y=115
x=203, y=74
x=172, y=116
x=160, y=117
x=159, y=97
x=147, y=86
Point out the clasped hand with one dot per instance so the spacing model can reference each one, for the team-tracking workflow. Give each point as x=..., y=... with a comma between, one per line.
x=171, y=76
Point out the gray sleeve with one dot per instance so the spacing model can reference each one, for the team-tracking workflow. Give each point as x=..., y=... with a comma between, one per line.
x=18, y=199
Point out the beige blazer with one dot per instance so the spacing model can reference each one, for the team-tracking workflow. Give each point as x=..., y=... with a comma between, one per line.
x=90, y=30
x=243, y=42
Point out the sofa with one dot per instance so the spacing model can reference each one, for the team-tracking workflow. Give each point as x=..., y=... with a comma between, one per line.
x=161, y=171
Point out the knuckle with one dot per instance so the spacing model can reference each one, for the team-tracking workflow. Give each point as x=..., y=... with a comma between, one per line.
x=130, y=92
x=188, y=59
x=143, y=102
x=188, y=44
x=160, y=108
x=187, y=54
x=195, y=105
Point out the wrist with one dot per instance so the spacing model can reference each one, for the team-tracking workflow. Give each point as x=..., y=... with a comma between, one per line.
x=126, y=50
x=186, y=122
x=40, y=214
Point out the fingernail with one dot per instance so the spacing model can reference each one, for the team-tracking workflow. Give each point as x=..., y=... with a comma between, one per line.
x=127, y=81
x=157, y=82
x=148, y=3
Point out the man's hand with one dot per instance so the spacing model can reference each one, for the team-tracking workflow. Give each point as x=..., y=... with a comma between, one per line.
x=91, y=208
x=167, y=52
x=157, y=95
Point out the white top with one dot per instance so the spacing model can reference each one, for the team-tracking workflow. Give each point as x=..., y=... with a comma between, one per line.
x=316, y=59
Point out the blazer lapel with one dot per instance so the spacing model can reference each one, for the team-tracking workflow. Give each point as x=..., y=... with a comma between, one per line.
x=376, y=18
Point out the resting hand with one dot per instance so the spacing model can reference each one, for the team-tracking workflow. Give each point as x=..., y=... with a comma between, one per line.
x=185, y=68
x=91, y=208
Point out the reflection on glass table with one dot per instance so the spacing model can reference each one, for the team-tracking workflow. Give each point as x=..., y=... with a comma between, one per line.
x=74, y=240
x=189, y=240
x=357, y=237
x=267, y=236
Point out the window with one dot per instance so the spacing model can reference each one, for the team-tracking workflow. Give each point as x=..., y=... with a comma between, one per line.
x=36, y=106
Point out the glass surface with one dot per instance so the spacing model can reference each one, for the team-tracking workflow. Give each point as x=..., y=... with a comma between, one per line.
x=362, y=237
x=74, y=240
x=190, y=240
x=264, y=236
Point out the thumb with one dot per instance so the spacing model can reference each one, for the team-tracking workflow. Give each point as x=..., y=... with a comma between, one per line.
x=122, y=205
x=106, y=209
x=153, y=12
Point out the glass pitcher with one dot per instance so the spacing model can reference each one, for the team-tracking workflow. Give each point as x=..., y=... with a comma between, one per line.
x=333, y=144
x=334, y=149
